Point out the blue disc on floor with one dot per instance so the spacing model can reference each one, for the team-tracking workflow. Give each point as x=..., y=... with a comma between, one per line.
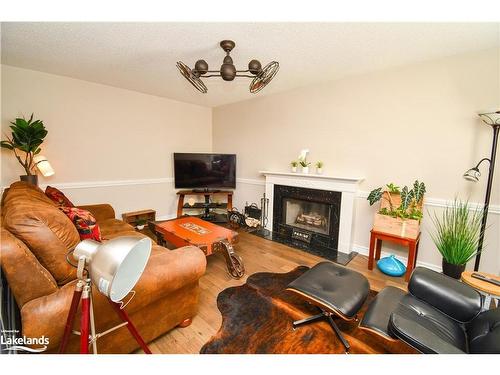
x=391, y=266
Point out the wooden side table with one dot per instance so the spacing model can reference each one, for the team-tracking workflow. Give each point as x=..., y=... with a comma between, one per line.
x=376, y=239
x=143, y=215
x=488, y=290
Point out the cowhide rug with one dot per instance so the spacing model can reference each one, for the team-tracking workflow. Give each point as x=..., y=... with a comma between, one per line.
x=257, y=318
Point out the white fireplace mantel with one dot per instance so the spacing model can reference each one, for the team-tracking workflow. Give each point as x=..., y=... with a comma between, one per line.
x=348, y=186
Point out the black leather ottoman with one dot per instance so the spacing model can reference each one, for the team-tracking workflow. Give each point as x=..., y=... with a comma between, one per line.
x=335, y=289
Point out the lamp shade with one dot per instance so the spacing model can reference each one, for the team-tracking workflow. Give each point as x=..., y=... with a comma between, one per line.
x=472, y=174
x=115, y=266
x=490, y=117
x=43, y=165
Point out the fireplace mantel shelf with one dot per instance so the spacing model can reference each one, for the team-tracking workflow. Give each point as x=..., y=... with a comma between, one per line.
x=355, y=180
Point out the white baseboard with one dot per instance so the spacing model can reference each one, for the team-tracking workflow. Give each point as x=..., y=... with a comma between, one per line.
x=363, y=250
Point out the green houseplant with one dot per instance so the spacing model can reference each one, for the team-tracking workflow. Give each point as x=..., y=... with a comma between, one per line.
x=305, y=165
x=456, y=235
x=25, y=141
x=400, y=210
x=294, y=164
x=319, y=167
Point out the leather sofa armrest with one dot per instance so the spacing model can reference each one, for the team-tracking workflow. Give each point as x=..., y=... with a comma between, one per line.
x=416, y=335
x=455, y=299
x=100, y=211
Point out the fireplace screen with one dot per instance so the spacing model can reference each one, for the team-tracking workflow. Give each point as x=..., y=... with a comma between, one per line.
x=307, y=215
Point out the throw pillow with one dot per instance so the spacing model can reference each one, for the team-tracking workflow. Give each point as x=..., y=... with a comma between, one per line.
x=84, y=221
x=58, y=197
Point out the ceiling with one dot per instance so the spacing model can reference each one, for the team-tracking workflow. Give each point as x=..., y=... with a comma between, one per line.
x=142, y=56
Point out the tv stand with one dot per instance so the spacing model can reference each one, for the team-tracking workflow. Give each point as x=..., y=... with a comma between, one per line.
x=208, y=207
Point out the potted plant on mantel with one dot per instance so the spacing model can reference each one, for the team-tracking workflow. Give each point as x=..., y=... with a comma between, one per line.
x=294, y=164
x=305, y=165
x=456, y=236
x=400, y=210
x=27, y=136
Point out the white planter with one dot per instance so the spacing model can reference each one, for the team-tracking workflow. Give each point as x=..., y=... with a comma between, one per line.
x=294, y=169
x=319, y=170
x=305, y=170
x=140, y=227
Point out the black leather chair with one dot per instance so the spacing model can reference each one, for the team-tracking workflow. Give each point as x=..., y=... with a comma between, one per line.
x=437, y=315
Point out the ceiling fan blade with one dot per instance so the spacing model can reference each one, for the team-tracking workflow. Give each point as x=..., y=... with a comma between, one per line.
x=192, y=78
x=264, y=77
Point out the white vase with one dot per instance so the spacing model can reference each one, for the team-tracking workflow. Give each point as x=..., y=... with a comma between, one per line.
x=140, y=227
x=319, y=170
x=305, y=170
x=294, y=169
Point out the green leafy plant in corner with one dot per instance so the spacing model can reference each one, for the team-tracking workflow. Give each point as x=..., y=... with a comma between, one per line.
x=140, y=222
x=25, y=141
x=410, y=200
x=457, y=231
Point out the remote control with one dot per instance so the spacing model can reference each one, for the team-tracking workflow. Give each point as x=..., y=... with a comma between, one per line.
x=484, y=278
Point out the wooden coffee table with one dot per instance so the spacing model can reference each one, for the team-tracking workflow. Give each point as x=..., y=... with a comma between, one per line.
x=209, y=237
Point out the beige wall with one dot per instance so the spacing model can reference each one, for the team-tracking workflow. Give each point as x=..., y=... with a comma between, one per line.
x=99, y=133
x=398, y=125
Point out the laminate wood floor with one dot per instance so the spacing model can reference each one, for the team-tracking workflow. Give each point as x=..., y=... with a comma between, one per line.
x=259, y=255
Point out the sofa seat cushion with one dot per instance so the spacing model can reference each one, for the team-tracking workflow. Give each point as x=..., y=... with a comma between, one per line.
x=426, y=328
x=484, y=332
x=109, y=227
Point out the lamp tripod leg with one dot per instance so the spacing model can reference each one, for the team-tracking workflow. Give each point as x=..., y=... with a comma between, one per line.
x=85, y=321
x=77, y=294
x=130, y=326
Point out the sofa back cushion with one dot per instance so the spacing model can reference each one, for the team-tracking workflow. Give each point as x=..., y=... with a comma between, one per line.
x=49, y=233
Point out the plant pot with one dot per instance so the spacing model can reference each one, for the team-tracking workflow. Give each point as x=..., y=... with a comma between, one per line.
x=453, y=270
x=305, y=170
x=294, y=169
x=31, y=179
x=140, y=227
x=319, y=170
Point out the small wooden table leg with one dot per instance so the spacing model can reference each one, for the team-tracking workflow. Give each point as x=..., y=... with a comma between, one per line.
x=378, y=248
x=180, y=205
x=412, y=252
x=373, y=240
x=234, y=262
x=229, y=202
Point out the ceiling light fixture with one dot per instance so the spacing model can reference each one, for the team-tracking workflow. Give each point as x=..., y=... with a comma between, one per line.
x=261, y=76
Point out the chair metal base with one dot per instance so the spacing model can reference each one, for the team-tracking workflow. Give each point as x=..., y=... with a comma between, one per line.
x=328, y=316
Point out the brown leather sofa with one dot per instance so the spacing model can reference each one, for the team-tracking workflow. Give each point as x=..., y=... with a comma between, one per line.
x=35, y=238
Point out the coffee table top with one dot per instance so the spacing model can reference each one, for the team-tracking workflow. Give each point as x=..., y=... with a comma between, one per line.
x=481, y=285
x=195, y=230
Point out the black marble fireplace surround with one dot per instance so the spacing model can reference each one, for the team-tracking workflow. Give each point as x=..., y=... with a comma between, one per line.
x=307, y=219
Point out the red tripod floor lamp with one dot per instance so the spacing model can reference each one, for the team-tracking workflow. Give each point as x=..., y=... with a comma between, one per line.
x=114, y=267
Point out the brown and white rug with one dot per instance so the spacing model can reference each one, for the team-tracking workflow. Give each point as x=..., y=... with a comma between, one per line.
x=257, y=318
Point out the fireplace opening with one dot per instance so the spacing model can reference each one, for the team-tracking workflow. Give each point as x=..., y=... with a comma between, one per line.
x=312, y=216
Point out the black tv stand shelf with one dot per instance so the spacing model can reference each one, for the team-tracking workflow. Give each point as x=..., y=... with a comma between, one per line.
x=208, y=206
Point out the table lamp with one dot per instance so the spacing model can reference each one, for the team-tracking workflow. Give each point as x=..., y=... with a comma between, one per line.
x=43, y=165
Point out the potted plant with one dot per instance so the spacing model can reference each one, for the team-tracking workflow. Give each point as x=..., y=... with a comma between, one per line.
x=305, y=165
x=456, y=235
x=140, y=224
x=294, y=164
x=25, y=141
x=400, y=210
x=319, y=167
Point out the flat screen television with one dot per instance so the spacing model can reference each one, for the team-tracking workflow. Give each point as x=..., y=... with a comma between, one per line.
x=204, y=171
